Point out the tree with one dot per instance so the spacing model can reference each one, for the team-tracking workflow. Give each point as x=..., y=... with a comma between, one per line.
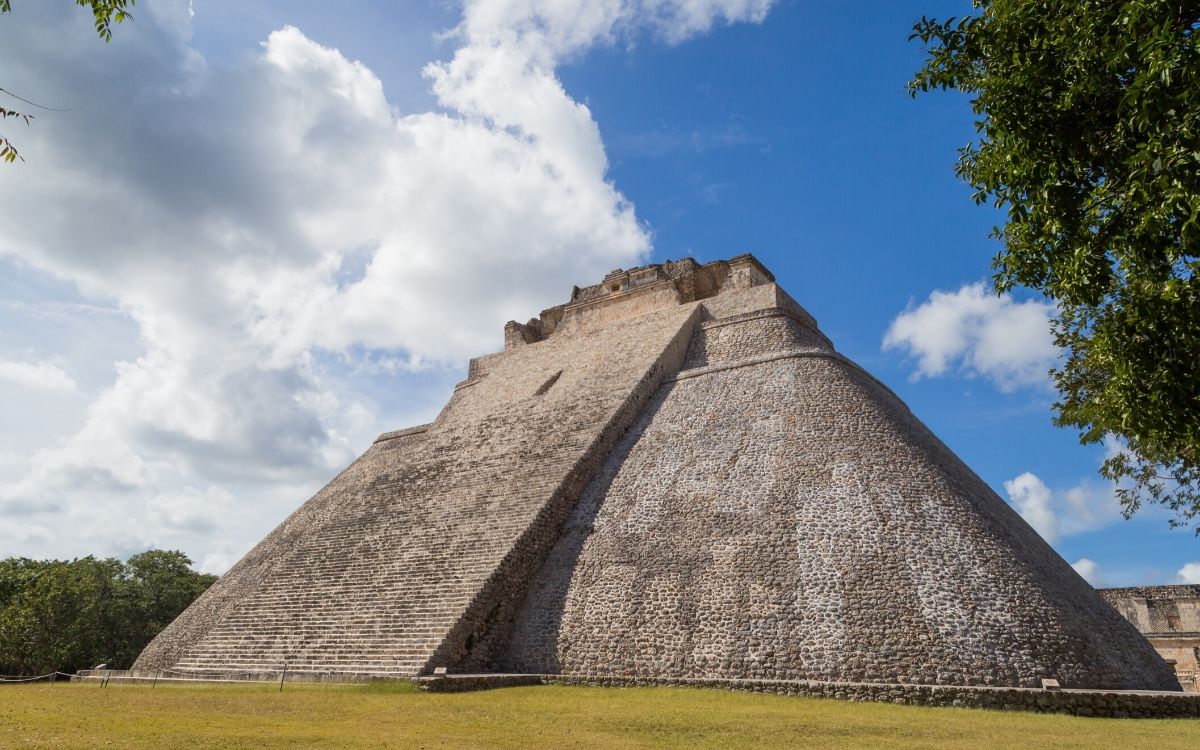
x=60, y=615
x=159, y=584
x=105, y=13
x=1088, y=137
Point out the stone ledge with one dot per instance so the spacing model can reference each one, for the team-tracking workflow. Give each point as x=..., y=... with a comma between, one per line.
x=466, y=683
x=1135, y=704
x=403, y=433
x=147, y=677
x=696, y=372
x=770, y=312
x=1100, y=703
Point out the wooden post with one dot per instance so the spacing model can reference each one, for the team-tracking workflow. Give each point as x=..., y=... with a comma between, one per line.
x=281, y=676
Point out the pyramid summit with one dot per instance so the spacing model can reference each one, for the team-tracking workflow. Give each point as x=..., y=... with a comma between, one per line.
x=672, y=475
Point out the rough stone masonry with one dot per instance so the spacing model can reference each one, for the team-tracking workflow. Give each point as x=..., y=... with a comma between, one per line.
x=672, y=476
x=1169, y=617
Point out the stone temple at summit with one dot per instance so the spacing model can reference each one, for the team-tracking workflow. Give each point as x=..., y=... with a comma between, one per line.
x=672, y=475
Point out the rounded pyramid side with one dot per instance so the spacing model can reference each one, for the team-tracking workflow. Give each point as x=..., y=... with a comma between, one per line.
x=784, y=516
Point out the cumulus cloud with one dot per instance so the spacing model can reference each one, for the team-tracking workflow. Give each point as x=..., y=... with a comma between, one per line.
x=1089, y=570
x=272, y=224
x=1055, y=514
x=979, y=334
x=1189, y=573
x=42, y=375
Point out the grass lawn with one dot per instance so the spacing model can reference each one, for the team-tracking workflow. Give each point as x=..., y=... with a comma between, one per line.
x=397, y=715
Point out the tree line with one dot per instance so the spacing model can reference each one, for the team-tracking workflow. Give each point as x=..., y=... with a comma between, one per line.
x=71, y=615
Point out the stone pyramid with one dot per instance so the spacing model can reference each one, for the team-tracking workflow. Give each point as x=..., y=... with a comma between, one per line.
x=672, y=475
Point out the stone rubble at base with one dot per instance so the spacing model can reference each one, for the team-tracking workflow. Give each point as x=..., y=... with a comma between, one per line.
x=671, y=477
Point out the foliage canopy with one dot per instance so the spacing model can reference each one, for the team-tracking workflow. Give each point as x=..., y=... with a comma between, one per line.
x=60, y=615
x=1088, y=136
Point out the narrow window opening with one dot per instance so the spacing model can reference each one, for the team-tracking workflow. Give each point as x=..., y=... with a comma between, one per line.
x=548, y=384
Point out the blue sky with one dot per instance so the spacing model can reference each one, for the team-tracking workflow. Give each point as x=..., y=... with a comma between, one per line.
x=236, y=213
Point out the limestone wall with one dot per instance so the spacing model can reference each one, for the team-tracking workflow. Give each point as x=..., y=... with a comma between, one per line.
x=398, y=561
x=247, y=574
x=673, y=476
x=1169, y=617
x=1107, y=704
x=777, y=514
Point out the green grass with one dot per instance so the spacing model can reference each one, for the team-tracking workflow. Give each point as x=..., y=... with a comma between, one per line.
x=397, y=715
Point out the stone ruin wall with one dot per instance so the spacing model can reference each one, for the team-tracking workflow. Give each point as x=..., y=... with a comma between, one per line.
x=1169, y=617
x=397, y=561
x=674, y=475
x=1093, y=703
x=389, y=564
x=853, y=545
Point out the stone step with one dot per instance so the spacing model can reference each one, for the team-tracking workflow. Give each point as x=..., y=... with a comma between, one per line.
x=331, y=668
x=341, y=604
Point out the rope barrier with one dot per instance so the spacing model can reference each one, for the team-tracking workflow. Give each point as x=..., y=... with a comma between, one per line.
x=8, y=678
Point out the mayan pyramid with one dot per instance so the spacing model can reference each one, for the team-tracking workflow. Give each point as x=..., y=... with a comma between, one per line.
x=672, y=475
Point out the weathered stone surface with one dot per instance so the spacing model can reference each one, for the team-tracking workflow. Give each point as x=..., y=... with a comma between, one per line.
x=1108, y=704
x=1169, y=617
x=390, y=566
x=672, y=476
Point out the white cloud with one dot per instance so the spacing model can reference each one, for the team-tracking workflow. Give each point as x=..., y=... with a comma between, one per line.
x=1089, y=570
x=1189, y=573
x=1054, y=514
x=42, y=375
x=979, y=334
x=271, y=223
x=553, y=29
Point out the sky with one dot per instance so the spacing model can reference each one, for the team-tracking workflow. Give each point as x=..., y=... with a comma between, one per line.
x=262, y=232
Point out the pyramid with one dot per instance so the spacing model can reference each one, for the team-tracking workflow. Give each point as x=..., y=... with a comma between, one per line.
x=673, y=475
